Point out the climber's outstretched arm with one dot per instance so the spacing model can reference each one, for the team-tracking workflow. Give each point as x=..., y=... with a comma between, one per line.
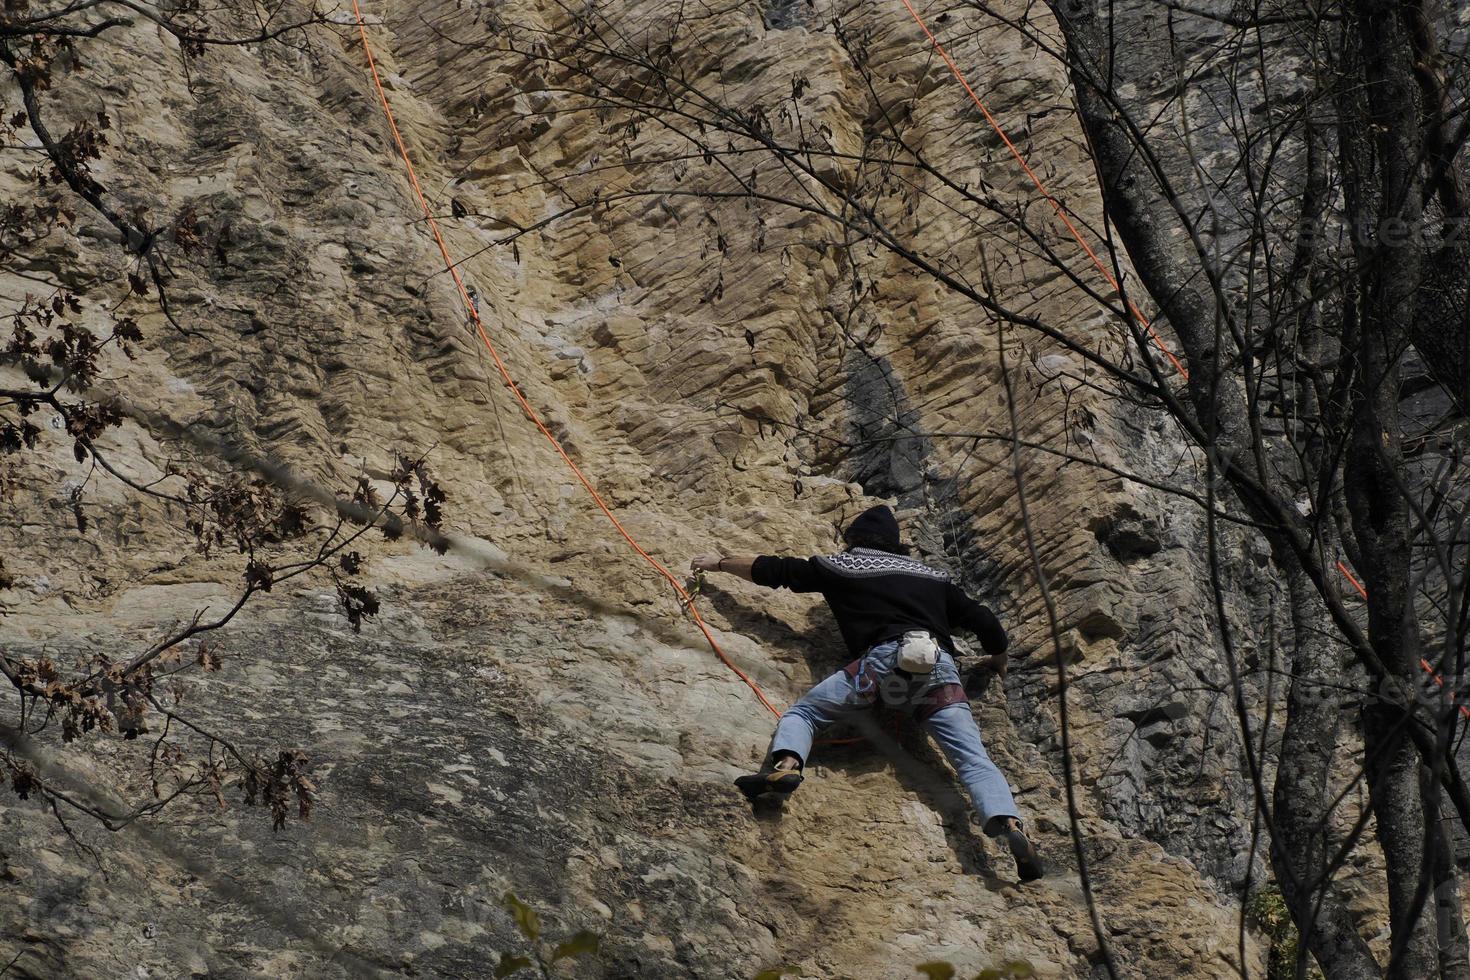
x=715, y=563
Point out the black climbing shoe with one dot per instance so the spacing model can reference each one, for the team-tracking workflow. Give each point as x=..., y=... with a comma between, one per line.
x=780, y=782
x=1028, y=859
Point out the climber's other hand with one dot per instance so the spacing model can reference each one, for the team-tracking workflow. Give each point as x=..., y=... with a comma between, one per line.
x=705, y=563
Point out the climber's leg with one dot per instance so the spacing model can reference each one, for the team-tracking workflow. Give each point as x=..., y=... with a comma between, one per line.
x=824, y=704
x=857, y=686
x=799, y=724
x=954, y=728
x=831, y=700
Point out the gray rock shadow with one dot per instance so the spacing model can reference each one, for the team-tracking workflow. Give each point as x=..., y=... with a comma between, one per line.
x=912, y=758
x=820, y=643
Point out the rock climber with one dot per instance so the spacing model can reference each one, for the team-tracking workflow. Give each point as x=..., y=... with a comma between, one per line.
x=896, y=615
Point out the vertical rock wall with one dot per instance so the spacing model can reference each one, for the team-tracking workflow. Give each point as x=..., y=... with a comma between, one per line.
x=713, y=365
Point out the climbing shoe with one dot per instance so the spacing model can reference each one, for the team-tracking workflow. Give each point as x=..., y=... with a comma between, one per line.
x=1028, y=859
x=781, y=782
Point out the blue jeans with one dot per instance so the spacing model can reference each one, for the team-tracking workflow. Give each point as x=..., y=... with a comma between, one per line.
x=952, y=726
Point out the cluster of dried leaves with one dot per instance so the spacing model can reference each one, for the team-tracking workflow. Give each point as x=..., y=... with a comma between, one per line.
x=65, y=346
x=271, y=538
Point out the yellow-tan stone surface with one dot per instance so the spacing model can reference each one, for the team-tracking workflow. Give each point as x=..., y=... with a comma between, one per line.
x=531, y=712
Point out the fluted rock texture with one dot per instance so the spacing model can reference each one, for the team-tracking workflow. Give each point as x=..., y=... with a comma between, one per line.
x=534, y=714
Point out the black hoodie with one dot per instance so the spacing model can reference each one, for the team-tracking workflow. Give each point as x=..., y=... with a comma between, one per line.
x=878, y=596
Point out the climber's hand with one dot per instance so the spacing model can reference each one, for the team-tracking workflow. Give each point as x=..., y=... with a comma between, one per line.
x=706, y=563
x=998, y=663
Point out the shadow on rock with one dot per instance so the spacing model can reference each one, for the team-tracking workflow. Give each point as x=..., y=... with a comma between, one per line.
x=894, y=742
x=820, y=644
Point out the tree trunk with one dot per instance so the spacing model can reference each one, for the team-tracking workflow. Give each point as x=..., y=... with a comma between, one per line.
x=1441, y=326
x=1299, y=847
x=1384, y=192
x=1381, y=173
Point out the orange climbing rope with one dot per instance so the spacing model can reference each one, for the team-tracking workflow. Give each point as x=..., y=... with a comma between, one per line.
x=684, y=596
x=1424, y=664
x=1347, y=574
x=1077, y=236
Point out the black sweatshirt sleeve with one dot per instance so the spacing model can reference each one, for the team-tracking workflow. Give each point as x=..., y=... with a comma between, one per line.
x=968, y=614
x=796, y=574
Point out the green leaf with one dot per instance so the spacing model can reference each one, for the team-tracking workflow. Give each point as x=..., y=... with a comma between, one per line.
x=937, y=970
x=580, y=942
x=526, y=918
x=509, y=965
x=775, y=973
x=1019, y=969
x=990, y=974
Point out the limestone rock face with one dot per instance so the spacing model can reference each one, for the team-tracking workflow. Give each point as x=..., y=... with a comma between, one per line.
x=532, y=713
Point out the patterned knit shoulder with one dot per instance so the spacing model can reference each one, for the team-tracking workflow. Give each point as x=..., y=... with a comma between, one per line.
x=866, y=562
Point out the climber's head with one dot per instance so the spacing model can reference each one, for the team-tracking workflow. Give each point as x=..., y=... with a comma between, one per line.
x=875, y=528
